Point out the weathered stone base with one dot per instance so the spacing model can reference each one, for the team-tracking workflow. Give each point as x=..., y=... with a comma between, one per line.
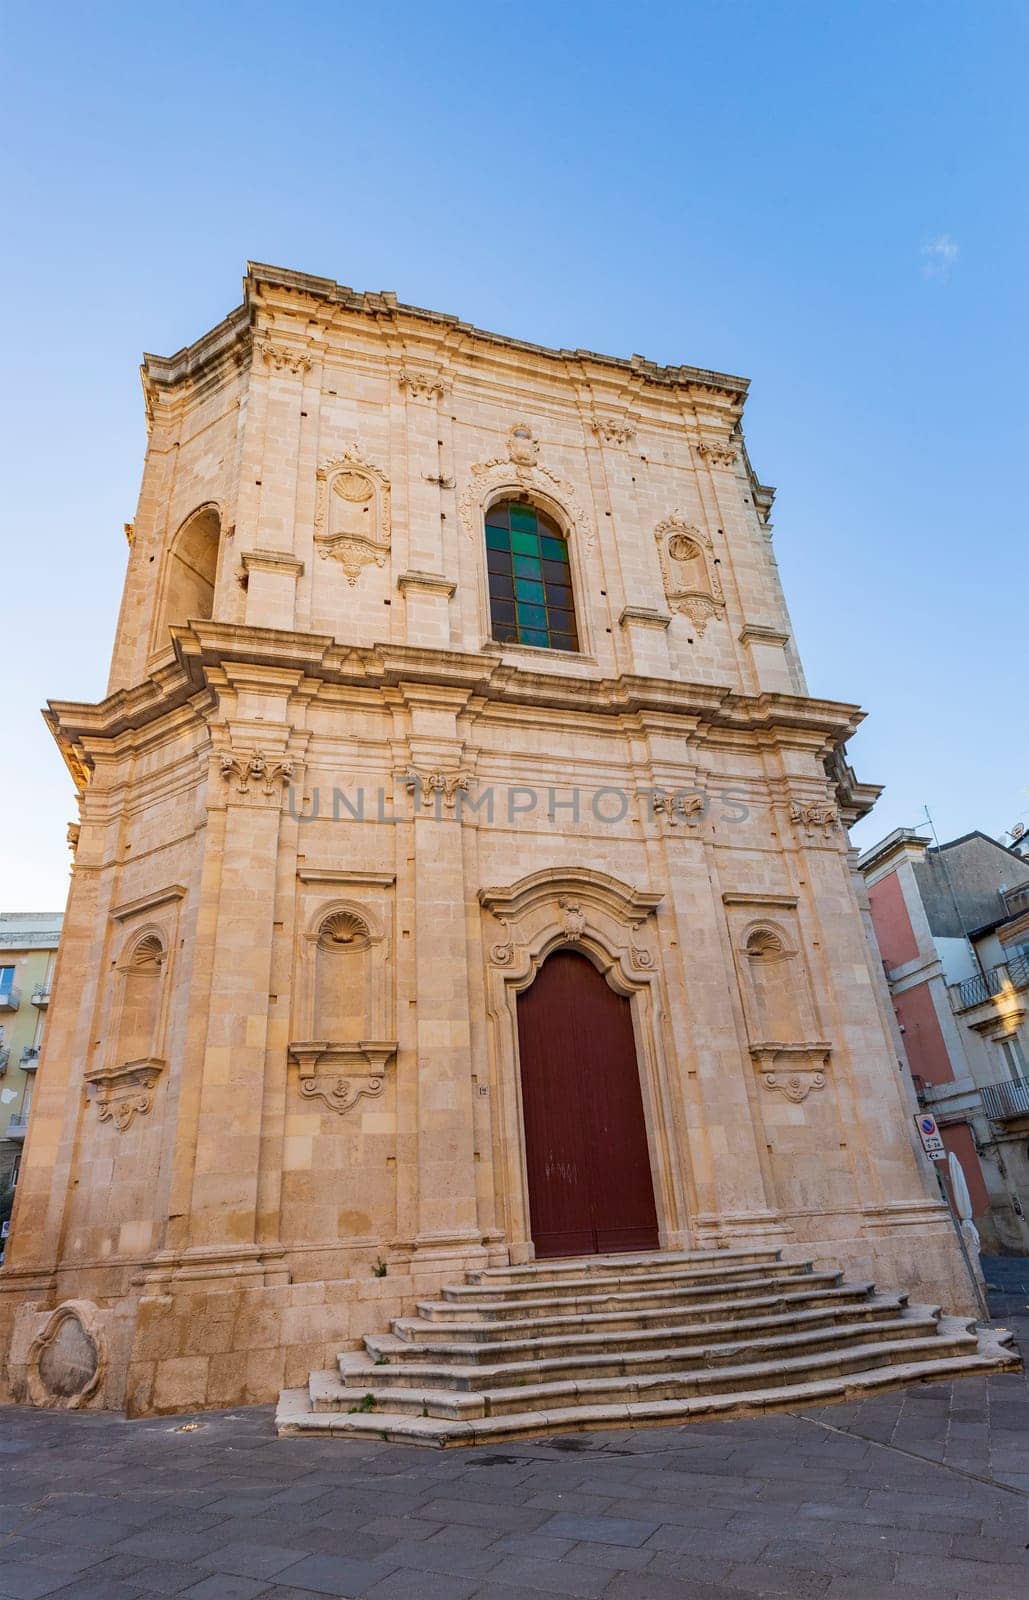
x=189, y=1342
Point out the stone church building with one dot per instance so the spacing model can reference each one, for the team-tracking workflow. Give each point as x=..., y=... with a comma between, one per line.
x=462, y=875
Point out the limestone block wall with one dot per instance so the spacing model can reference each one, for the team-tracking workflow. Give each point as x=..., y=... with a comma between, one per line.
x=330, y=829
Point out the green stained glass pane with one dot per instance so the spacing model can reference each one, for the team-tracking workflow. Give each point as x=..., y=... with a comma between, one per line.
x=523, y=517
x=497, y=538
x=525, y=589
x=525, y=544
x=527, y=567
x=535, y=636
x=554, y=549
x=532, y=616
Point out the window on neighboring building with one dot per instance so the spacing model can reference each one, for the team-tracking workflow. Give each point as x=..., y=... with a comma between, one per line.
x=1014, y=1057
x=6, y=980
x=530, y=582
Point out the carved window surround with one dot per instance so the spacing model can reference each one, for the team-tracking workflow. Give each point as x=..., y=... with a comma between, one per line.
x=346, y=483
x=125, y=1090
x=342, y=1074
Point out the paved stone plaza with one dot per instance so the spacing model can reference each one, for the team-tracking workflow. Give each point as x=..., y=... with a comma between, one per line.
x=918, y=1494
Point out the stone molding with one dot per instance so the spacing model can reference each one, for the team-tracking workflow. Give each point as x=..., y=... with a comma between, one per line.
x=428, y=580
x=148, y=902
x=45, y=1387
x=281, y=357
x=792, y=1070
x=125, y=1091
x=644, y=616
x=356, y=482
x=422, y=385
x=619, y=430
x=815, y=816
x=268, y=561
x=342, y=1074
x=430, y=788
x=717, y=453
x=255, y=767
x=521, y=472
x=693, y=586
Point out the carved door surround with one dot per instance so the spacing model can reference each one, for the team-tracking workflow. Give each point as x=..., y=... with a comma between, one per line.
x=342, y=1020
x=611, y=923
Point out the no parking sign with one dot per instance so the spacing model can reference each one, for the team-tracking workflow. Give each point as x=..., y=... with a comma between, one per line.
x=929, y=1134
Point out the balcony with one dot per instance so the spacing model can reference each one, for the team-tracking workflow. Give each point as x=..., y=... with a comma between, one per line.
x=5, y=1056
x=10, y=998
x=975, y=991
x=1016, y=900
x=1005, y=1102
x=41, y=995
x=17, y=1124
x=29, y=1059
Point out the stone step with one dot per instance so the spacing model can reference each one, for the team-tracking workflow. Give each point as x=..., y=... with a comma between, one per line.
x=538, y=1289
x=296, y=1416
x=359, y=1370
x=615, y=1297
x=821, y=1290
x=439, y=1345
x=329, y=1392
x=574, y=1267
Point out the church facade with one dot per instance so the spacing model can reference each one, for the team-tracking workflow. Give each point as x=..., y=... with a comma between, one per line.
x=462, y=873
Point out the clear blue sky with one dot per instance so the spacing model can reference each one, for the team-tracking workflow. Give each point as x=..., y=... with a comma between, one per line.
x=830, y=198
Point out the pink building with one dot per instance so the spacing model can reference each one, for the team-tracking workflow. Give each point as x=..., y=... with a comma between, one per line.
x=952, y=925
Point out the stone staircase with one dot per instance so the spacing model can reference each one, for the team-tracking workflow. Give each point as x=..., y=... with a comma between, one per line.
x=620, y=1341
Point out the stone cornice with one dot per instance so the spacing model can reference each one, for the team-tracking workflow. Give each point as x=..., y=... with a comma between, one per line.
x=211, y=654
x=229, y=343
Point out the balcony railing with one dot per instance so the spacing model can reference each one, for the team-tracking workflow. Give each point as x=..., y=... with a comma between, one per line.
x=974, y=991
x=5, y=1056
x=10, y=998
x=1017, y=900
x=41, y=994
x=1003, y=1102
x=17, y=1124
x=29, y=1057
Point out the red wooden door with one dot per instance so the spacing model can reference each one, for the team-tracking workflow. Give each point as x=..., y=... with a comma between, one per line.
x=590, y=1185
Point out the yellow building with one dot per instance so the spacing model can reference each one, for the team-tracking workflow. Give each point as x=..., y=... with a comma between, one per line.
x=28, y=946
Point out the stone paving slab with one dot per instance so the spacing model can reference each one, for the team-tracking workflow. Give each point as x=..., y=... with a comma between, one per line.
x=912, y=1494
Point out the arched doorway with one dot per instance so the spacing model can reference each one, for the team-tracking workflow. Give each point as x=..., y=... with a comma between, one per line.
x=588, y=1163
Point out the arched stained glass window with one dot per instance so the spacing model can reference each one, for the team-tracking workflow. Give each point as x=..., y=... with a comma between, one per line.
x=530, y=582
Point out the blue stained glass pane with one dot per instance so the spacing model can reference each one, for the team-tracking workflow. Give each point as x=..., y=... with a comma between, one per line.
x=554, y=549
x=527, y=567
x=525, y=589
x=497, y=538
x=532, y=616
x=535, y=636
x=497, y=516
x=523, y=517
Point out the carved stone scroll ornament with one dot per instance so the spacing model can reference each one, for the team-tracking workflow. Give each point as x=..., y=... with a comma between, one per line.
x=342, y=1074
x=717, y=453
x=792, y=1070
x=520, y=467
x=815, y=816
x=352, y=513
x=614, y=430
x=124, y=1092
x=280, y=357
x=431, y=788
x=688, y=808
x=255, y=768
x=693, y=586
x=502, y=955
x=422, y=385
